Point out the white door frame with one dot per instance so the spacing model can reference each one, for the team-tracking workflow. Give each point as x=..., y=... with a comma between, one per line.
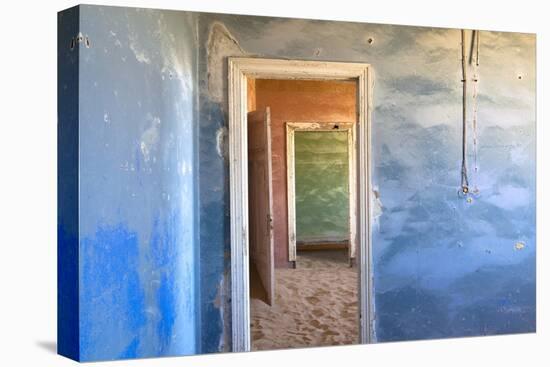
x=349, y=129
x=239, y=69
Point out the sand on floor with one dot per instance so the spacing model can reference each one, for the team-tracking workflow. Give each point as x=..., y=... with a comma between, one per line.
x=315, y=305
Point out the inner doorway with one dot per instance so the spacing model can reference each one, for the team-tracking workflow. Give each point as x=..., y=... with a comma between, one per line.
x=321, y=182
x=240, y=71
x=301, y=214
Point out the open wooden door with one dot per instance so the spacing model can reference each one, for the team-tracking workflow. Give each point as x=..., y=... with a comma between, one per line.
x=260, y=207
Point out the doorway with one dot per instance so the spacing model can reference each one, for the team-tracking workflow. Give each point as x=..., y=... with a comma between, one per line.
x=240, y=71
x=324, y=153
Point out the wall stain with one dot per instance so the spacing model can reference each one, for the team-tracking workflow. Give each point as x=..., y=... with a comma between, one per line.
x=220, y=45
x=221, y=142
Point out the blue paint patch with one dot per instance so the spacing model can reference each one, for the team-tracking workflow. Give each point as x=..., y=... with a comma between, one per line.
x=112, y=300
x=67, y=295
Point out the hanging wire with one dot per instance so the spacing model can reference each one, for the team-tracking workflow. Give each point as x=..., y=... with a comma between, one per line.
x=464, y=171
x=475, y=38
x=468, y=183
x=477, y=48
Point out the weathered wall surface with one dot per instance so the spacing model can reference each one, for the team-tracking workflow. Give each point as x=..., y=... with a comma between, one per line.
x=137, y=245
x=322, y=195
x=444, y=266
x=67, y=186
x=298, y=101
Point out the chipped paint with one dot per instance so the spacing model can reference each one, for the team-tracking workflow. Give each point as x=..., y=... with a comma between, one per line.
x=519, y=245
x=377, y=207
x=186, y=168
x=150, y=139
x=221, y=139
x=220, y=45
x=221, y=302
x=139, y=53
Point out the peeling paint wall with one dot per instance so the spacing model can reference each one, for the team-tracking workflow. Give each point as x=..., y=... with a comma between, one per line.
x=444, y=266
x=215, y=44
x=136, y=165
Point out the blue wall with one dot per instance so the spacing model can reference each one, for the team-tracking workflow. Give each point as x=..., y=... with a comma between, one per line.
x=136, y=143
x=144, y=248
x=67, y=186
x=444, y=265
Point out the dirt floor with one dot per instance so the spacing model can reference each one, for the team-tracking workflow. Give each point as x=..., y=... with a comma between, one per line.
x=315, y=304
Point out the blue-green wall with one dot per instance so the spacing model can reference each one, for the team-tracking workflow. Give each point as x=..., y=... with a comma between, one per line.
x=322, y=193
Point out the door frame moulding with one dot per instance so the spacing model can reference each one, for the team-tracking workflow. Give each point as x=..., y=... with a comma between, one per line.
x=349, y=129
x=239, y=70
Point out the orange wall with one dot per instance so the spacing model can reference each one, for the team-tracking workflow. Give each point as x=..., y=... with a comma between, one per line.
x=297, y=101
